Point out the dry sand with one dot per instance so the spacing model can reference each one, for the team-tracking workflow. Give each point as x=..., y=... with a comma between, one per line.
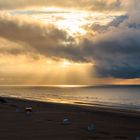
x=45, y=122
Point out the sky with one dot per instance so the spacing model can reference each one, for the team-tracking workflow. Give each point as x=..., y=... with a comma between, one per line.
x=76, y=42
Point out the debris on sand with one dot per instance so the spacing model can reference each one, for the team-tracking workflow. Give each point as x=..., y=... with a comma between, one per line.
x=66, y=122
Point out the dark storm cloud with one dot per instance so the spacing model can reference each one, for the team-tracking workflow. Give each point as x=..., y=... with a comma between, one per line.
x=123, y=72
x=117, y=50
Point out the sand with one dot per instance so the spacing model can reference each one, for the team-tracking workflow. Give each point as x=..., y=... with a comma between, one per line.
x=45, y=122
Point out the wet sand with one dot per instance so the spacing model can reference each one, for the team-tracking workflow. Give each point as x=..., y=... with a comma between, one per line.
x=45, y=122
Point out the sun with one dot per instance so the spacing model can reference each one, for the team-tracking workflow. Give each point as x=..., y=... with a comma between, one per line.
x=71, y=21
x=65, y=64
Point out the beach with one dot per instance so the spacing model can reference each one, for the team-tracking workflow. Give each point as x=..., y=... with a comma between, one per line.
x=45, y=122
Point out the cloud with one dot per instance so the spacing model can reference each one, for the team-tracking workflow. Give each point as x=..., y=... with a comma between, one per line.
x=9, y=47
x=115, y=23
x=78, y=4
x=40, y=38
x=114, y=51
x=118, y=56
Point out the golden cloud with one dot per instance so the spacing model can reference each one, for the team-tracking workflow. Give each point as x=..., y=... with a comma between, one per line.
x=78, y=4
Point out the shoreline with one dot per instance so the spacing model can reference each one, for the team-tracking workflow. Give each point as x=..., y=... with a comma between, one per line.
x=45, y=122
x=98, y=108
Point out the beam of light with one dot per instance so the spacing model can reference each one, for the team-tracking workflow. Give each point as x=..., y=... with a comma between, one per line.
x=42, y=71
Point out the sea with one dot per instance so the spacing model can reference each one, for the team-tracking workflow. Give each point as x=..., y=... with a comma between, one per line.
x=108, y=96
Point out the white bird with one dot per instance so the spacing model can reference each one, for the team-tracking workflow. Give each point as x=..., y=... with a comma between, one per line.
x=66, y=122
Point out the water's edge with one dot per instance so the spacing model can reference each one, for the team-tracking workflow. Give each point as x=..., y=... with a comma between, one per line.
x=113, y=97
